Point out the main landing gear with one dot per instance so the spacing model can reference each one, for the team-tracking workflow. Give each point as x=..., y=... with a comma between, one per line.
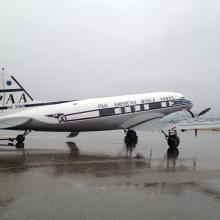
x=173, y=141
x=130, y=137
x=172, y=138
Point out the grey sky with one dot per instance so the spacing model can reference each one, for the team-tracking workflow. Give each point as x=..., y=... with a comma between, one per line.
x=74, y=49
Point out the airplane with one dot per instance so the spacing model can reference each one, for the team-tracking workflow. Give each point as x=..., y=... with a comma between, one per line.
x=19, y=111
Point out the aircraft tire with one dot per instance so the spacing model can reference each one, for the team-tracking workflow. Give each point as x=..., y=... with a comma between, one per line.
x=172, y=153
x=19, y=145
x=173, y=141
x=131, y=137
x=20, y=138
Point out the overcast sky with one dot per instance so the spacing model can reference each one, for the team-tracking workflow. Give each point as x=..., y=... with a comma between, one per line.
x=71, y=49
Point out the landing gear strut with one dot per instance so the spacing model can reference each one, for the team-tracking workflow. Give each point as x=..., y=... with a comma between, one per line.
x=131, y=137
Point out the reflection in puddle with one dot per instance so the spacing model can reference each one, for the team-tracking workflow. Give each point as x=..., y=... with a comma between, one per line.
x=73, y=181
x=74, y=161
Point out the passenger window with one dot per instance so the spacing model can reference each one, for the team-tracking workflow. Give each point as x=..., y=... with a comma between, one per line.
x=146, y=107
x=127, y=109
x=164, y=104
x=118, y=111
x=137, y=108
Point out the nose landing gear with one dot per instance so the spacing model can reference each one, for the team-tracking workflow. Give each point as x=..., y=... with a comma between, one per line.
x=172, y=153
x=173, y=142
x=172, y=139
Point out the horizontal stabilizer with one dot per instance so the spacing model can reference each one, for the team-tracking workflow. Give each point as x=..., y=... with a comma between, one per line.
x=13, y=122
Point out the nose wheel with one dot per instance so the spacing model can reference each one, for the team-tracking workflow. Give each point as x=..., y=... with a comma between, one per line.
x=173, y=140
x=172, y=153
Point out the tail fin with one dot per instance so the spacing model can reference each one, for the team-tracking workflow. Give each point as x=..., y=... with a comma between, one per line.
x=12, y=94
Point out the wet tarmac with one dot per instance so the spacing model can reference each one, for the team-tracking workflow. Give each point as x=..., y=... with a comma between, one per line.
x=95, y=176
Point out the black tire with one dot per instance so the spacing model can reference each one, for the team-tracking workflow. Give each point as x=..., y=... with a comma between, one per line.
x=126, y=140
x=172, y=153
x=173, y=141
x=20, y=138
x=130, y=145
x=131, y=137
x=20, y=145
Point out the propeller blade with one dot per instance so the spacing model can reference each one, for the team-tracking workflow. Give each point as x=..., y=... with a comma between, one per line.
x=204, y=111
x=200, y=114
x=191, y=113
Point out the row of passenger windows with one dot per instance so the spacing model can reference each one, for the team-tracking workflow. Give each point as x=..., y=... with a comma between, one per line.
x=137, y=108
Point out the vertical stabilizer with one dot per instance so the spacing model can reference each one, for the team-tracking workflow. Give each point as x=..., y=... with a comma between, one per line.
x=12, y=94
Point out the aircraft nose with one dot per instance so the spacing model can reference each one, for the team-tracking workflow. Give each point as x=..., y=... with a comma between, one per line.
x=189, y=104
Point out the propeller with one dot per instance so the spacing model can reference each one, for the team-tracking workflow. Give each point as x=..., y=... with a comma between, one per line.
x=204, y=111
x=198, y=115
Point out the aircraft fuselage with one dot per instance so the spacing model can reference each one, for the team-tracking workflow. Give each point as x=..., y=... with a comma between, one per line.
x=121, y=112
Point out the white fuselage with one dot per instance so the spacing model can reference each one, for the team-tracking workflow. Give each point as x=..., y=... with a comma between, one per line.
x=121, y=112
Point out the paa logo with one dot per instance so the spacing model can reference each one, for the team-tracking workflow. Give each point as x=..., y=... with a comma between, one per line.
x=12, y=100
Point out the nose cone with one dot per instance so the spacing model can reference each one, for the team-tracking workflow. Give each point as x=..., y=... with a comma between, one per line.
x=189, y=104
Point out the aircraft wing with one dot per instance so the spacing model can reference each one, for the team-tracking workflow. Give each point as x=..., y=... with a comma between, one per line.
x=13, y=122
x=179, y=122
x=199, y=123
x=143, y=121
